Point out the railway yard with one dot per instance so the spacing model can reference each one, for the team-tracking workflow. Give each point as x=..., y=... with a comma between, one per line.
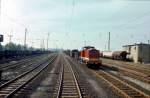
x=57, y=75
x=74, y=49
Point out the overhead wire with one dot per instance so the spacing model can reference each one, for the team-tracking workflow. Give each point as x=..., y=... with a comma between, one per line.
x=129, y=24
x=14, y=20
x=71, y=19
x=134, y=20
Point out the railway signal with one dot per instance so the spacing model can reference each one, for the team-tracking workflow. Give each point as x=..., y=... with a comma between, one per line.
x=1, y=38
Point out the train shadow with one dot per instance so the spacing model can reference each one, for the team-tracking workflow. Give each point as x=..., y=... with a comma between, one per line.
x=102, y=67
x=94, y=66
x=108, y=68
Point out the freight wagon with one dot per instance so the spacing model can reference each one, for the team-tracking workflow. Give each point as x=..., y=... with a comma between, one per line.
x=75, y=54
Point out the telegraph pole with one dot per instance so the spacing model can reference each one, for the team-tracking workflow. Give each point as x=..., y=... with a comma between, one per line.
x=109, y=41
x=47, y=40
x=25, y=36
x=84, y=42
x=10, y=37
x=42, y=44
x=84, y=39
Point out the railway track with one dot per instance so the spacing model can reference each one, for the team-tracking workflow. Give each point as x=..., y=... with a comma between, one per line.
x=12, y=72
x=30, y=59
x=122, y=88
x=131, y=73
x=67, y=86
x=137, y=68
x=10, y=88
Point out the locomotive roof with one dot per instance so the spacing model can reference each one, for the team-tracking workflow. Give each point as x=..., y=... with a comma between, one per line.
x=87, y=47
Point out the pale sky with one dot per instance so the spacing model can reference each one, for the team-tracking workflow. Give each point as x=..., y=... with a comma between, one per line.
x=72, y=22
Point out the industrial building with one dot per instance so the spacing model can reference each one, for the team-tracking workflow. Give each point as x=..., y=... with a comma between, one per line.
x=138, y=52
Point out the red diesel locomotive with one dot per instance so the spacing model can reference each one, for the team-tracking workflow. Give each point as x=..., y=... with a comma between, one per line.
x=89, y=55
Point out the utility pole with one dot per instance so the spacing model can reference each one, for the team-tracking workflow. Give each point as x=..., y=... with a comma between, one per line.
x=84, y=39
x=47, y=40
x=109, y=41
x=25, y=36
x=10, y=37
x=42, y=44
x=84, y=42
x=32, y=44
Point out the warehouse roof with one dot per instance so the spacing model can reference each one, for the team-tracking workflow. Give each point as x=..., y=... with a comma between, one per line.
x=136, y=44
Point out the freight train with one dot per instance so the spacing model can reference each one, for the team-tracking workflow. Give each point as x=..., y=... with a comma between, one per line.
x=117, y=55
x=90, y=56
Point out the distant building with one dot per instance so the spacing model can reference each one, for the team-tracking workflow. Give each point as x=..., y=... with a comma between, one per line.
x=138, y=52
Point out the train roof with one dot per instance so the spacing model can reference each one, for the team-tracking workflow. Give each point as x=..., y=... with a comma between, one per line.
x=75, y=50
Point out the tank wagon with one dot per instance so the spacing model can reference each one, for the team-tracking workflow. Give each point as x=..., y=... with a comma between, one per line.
x=89, y=55
x=107, y=54
x=117, y=55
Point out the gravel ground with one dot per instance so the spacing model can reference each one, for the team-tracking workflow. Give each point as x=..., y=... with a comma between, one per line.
x=93, y=86
x=43, y=85
x=19, y=69
x=137, y=66
x=145, y=87
x=96, y=86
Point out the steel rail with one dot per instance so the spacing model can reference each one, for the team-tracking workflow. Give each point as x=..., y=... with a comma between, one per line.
x=140, y=70
x=11, y=87
x=78, y=88
x=18, y=63
x=68, y=85
x=122, y=88
x=60, y=81
x=132, y=73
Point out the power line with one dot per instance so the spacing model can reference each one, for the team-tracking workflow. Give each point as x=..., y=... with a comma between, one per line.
x=134, y=20
x=71, y=18
x=14, y=20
